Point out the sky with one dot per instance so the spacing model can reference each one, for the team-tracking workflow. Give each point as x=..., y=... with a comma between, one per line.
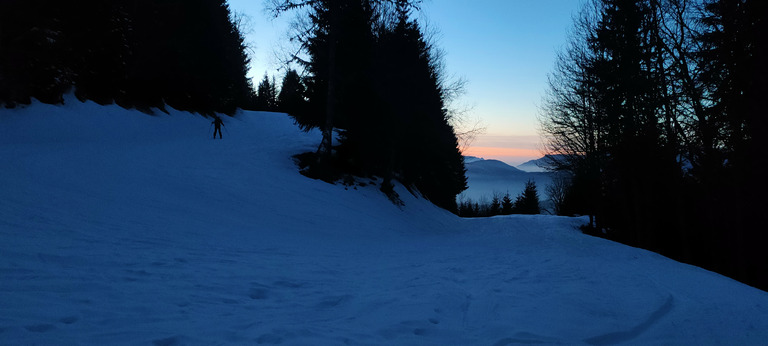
x=503, y=49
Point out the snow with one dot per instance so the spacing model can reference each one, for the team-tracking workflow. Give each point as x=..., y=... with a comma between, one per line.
x=122, y=228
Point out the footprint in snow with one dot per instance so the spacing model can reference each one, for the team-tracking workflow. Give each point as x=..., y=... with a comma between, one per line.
x=270, y=338
x=69, y=319
x=40, y=328
x=258, y=293
x=333, y=301
x=171, y=341
x=138, y=272
x=288, y=284
x=230, y=301
x=415, y=327
x=526, y=338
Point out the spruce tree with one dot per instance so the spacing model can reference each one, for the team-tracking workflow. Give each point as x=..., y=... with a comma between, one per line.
x=421, y=145
x=143, y=54
x=340, y=47
x=528, y=201
x=377, y=81
x=733, y=70
x=33, y=51
x=655, y=109
x=612, y=124
x=292, y=96
x=266, y=95
x=507, y=206
x=495, y=207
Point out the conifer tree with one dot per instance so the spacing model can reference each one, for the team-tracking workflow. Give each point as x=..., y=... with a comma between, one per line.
x=528, y=201
x=378, y=82
x=33, y=47
x=611, y=122
x=143, y=54
x=98, y=39
x=733, y=70
x=340, y=47
x=292, y=96
x=421, y=145
x=495, y=207
x=507, y=206
x=657, y=114
x=266, y=95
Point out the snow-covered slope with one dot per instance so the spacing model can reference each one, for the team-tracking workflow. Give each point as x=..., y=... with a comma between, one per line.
x=122, y=228
x=488, y=177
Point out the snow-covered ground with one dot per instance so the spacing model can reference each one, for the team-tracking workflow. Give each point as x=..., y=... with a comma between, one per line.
x=122, y=228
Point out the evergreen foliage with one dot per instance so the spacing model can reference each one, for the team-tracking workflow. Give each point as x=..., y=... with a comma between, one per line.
x=185, y=54
x=657, y=113
x=373, y=76
x=528, y=201
x=32, y=52
x=266, y=95
x=507, y=206
x=495, y=207
x=340, y=47
x=292, y=96
x=421, y=146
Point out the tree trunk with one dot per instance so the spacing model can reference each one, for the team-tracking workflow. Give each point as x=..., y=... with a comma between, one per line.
x=326, y=146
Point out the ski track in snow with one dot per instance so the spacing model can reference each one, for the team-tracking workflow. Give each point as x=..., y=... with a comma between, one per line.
x=122, y=228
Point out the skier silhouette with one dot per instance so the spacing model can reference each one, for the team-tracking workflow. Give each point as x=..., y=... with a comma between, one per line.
x=217, y=126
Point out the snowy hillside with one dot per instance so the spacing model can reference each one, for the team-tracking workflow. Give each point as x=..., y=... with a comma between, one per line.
x=486, y=177
x=122, y=228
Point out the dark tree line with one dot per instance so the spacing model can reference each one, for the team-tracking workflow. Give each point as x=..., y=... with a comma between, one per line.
x=527, y=202
x=658, y=110
x=185, y=54
x=266, y=95
x=372, y=77
x=290, y=98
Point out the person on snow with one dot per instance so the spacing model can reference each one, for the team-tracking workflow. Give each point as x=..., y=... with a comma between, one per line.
x=217, y=126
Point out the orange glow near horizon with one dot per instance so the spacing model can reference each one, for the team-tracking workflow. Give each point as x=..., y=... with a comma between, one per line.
x=514, y=156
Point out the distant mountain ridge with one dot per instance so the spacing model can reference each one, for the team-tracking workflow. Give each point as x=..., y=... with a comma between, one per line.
x=543, y=164
x=488, y=177
x=497, y=167
x=470, y=159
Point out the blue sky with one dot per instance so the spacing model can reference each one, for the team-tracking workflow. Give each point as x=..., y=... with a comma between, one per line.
x=503, y=48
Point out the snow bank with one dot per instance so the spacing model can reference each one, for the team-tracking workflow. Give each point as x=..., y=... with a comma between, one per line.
x=121, y=228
